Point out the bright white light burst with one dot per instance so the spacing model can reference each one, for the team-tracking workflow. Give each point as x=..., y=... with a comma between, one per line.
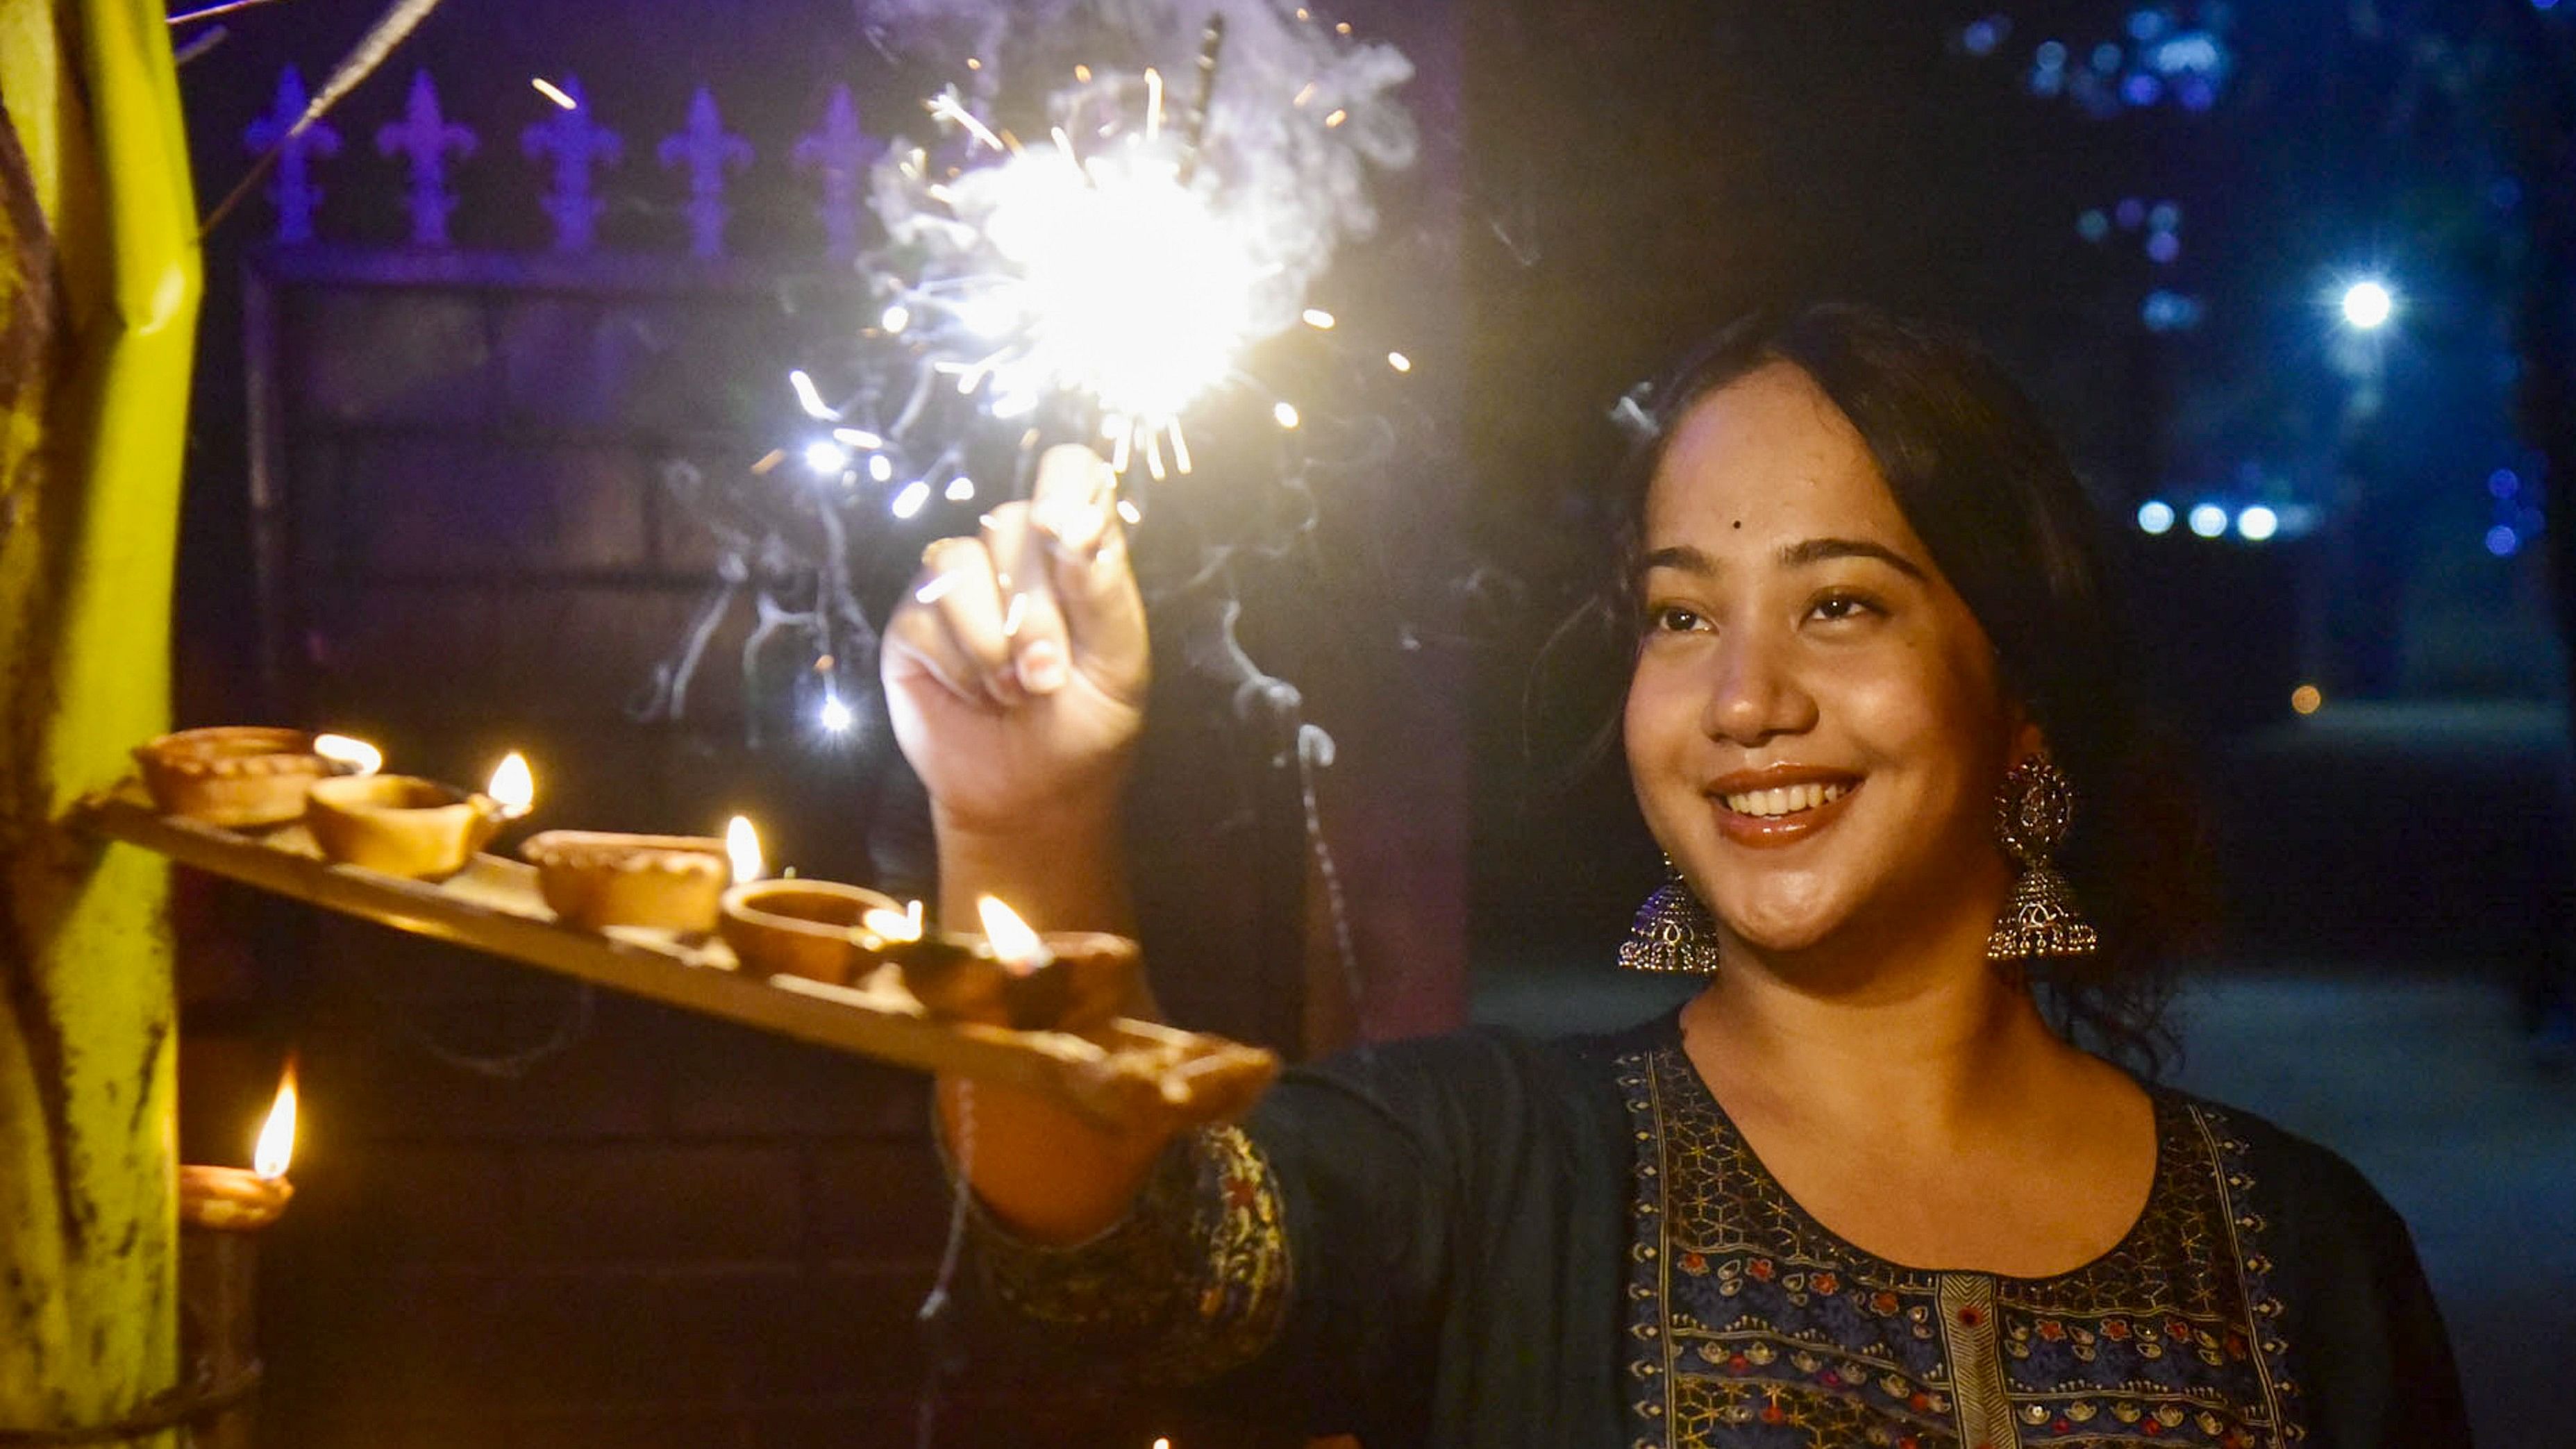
x=2367, y=305
x=1127, y=286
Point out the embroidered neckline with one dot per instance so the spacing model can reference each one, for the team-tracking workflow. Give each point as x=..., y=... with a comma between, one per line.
x=2172, y=1123
x=1751, y=1323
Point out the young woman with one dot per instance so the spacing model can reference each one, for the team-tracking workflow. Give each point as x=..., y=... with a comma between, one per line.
x=1862, y=1190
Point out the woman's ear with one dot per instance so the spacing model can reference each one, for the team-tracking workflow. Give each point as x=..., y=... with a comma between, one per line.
x=2027, y=738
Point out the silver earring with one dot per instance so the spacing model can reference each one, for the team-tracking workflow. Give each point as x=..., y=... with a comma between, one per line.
x=1672, y=932
x=2041, y=918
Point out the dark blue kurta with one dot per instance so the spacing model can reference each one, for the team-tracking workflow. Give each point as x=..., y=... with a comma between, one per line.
x=1484, y=1240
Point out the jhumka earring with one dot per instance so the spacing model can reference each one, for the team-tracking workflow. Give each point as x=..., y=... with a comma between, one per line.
x=1672, y=932
x=2032, y=814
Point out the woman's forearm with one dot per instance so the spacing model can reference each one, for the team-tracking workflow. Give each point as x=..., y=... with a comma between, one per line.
x=1047, y=1173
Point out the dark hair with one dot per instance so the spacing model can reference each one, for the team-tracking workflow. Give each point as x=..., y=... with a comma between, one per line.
x=1985, y=485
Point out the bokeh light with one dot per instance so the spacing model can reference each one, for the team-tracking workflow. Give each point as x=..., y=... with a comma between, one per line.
x=2208, y=520
x=2307, y=699
x=2155, y=516
x=2257, y=524
x=2367, y=305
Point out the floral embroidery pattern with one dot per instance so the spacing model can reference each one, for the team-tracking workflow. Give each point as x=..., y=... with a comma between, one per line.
x=1752, y=1326
x=1194, y=1281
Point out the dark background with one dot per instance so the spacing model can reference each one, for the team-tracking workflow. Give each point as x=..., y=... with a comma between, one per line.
x=530, y=1218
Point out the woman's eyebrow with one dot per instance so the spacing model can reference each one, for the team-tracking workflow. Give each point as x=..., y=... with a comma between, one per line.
x=1817, y=550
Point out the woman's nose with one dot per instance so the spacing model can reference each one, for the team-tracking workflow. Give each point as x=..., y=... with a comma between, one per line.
x=1753, y=691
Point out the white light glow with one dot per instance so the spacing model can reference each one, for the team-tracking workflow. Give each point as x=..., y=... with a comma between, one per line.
x=2367, y=305
x=1319, y=319
x=895, y=318
x=742, y=848
x=554, y=93
x=961, y=489
x=2208, y=520
x=909, y=501
x=1399, y=362
x=881, y=468
x=834, y=716
x=2257, y=524
x=858, y=437
x=2155, y=516
x=1286, y=413
x=808, y=398
x=826, y=457
x=1128, y=288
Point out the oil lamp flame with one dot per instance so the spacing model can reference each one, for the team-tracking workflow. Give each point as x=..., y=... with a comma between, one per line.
x=353, y=755
x=514, y=786
x=742, y=847
x=1013, y=942
x=893, y=926
x=277, y=1139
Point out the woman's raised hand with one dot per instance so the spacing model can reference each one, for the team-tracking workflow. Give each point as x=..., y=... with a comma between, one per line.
x=1016, y=668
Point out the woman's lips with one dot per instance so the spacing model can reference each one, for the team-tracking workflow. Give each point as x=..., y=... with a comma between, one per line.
x=1765, y=831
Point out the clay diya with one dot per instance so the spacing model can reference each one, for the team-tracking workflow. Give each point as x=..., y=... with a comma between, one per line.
x=232, y=775
x=665, y=882
x=401, y=824
x=1011, y=976
x=800, y=927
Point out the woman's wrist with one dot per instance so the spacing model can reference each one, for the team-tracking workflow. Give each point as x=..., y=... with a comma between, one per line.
x=1061, y=869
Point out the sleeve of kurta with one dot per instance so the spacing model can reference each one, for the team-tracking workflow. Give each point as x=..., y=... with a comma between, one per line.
x=1301, y=1255
x=2366, y=1338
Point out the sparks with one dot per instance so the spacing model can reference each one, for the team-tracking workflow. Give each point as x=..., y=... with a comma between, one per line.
x=946, y=107
x=554, y=93
x=858, y=437
x=1128, y=288
x=1318, y=318
x=809, y=398
x=1399, y=362
x=1286, y=413
x=908, y=502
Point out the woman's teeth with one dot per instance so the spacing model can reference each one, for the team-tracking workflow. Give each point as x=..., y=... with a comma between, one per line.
x=1787, y=800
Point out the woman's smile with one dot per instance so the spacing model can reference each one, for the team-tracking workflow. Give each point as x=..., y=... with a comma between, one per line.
x=1780, y=805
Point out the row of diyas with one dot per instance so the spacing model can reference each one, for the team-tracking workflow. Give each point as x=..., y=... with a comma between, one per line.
x=263, y=779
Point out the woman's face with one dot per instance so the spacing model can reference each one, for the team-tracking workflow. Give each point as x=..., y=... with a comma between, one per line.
x=1814, y=728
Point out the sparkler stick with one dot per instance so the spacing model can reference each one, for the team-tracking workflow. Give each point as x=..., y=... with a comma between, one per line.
x=1211, y=50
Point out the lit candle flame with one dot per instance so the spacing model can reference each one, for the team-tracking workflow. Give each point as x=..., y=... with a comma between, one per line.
x=1014, y=944
x=891, y=927
x=513, y=787
x=742, y=846
x=353, y=755
x=277, y=1138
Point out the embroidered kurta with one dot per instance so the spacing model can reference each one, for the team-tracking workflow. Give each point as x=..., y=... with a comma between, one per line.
x=1485, y=1240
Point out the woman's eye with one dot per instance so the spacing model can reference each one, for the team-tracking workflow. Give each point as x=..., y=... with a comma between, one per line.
x=1834, y=608
x=1674, y=619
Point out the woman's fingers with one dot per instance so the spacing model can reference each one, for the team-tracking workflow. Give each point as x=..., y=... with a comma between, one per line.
x=1033, y=628
x=954, y=626
x=1079, y=548
x=1042, y=590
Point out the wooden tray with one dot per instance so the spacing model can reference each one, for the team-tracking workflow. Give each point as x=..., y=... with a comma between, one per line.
x=1132, y=1073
